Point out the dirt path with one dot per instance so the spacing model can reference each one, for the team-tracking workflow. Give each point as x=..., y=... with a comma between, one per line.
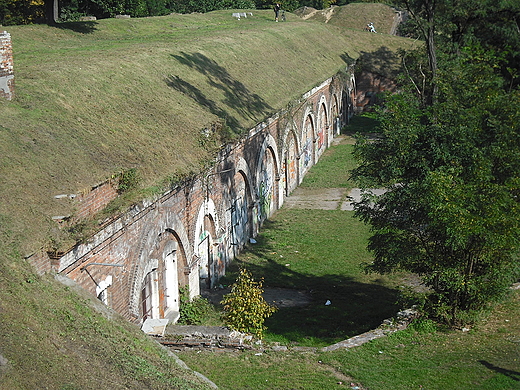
x=327, y=13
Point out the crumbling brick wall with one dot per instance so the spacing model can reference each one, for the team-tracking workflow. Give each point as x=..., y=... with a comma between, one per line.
x=6, y=66
x=193, y=231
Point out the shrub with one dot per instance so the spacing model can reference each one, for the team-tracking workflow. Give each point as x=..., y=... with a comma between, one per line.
x=245, y=309
x=194, y=311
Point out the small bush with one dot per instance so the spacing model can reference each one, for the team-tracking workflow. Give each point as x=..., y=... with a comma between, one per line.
x=424, y=326
x=245, y=308
x=194, y=311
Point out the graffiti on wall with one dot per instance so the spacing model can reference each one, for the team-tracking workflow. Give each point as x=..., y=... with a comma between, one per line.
x=211, y=217
x=240, y=213
x=308, y=149
x=265, y=187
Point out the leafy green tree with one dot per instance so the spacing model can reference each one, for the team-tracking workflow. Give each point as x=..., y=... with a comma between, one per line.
x=245, y=308
x=187, y=6
x=14, y=12
x=454, y=24
x=452, y=170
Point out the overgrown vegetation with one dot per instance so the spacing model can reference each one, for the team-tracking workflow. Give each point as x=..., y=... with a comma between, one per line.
x=197, y=311
x=448, y=157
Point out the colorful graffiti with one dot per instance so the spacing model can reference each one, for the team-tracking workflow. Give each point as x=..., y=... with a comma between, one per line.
x=240, y=213
x=265, y=188
x=308, y=145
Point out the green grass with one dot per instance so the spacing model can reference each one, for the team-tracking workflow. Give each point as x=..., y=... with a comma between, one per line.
x=487, y=357
x=334, y=172
x=93, y=98
x=53, y=338
x=321, y=252
x=362, y=124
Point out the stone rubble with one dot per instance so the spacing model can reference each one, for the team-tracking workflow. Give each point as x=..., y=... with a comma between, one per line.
x=192, y=336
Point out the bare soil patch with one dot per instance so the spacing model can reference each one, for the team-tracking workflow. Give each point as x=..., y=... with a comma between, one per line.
x=280, y=297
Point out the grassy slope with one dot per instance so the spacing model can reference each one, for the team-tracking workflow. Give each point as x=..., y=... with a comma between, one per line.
x=357, y=16
x=92, y=98
x=53, y=338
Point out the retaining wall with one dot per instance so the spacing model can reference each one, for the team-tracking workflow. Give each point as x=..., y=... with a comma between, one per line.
x=187, y=237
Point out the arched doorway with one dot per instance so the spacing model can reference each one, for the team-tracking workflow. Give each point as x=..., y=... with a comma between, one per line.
x=161, y=276
x=149, y=292
x=307, y=158
x=290, y=164
x=322, y=129
x=241, y=212
x=208, y=255
x=266, y=185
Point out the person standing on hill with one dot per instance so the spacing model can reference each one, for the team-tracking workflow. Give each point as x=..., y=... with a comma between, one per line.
x=276, y=8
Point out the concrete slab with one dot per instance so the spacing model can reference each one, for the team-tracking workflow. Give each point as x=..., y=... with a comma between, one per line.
x=326, y=198
x=155, y=326
x=316, y=198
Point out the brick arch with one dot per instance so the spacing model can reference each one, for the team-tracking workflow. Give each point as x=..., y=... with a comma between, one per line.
x=150, y=256
x=335, y=115
x=322, y=127
x=308, y=138
x=290, y=174
x=267, y=179
x=211, y=261
x=242, y=222
x=176, y=272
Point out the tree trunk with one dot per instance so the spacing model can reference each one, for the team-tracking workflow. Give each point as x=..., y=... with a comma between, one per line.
x=430, y=46
x=51, y=11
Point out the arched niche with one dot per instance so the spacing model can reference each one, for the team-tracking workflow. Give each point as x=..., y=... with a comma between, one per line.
x=307, y=153
x=290, y=164
x=267, y=180
x=209, y=247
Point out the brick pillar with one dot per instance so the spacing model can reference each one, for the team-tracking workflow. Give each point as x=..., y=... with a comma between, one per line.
x=6, y=66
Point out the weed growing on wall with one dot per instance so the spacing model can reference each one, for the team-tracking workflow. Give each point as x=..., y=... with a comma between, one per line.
x=245, y=308
x=194, y=311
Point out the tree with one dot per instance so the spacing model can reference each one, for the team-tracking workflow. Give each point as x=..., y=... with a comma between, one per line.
x=452, y=170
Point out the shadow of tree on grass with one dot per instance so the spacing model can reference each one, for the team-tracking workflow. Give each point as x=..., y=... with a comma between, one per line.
x=514, y=375
x=237, y=96
x=80, y=27
x=355, y=307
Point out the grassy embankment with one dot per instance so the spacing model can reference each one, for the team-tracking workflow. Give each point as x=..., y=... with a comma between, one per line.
x=93, y=98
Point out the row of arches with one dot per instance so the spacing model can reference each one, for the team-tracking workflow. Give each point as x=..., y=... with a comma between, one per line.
x=188, y=237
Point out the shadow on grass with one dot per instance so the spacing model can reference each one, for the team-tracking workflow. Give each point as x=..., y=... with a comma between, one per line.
x=382, y=61
x=355, y=307
x=362, y=124
x=236, y=95
x=515, y=375
x=79, y=27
